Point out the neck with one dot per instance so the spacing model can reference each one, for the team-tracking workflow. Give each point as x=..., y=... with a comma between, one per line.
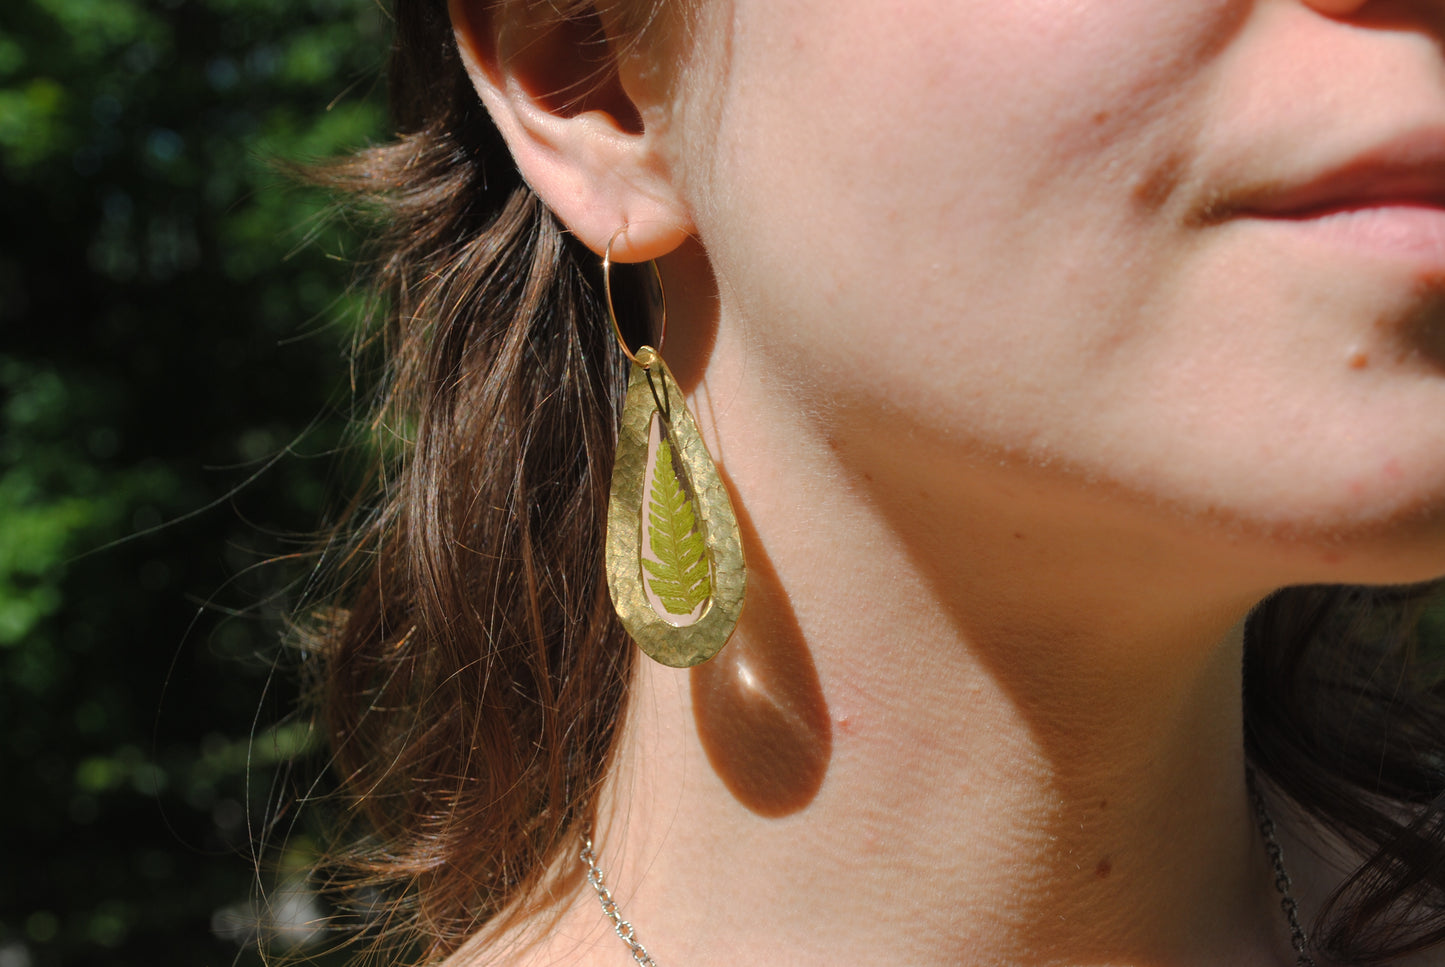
x=915, y=755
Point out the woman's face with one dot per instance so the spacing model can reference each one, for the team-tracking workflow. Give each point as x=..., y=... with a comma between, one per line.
x=1193, y=252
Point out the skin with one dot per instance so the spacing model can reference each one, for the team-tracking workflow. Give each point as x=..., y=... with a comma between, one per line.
x=1025, y=408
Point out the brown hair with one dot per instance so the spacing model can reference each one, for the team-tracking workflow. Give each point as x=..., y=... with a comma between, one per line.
x=472, y=685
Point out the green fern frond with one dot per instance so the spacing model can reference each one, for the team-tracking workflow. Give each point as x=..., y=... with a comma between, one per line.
x=679, y=577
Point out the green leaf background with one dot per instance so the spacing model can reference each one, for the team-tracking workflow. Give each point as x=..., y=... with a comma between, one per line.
x=174, y=324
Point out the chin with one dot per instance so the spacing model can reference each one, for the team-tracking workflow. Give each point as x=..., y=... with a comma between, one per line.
x=1406, y=547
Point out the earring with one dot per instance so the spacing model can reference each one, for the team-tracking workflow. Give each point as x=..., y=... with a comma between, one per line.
x=674, y=555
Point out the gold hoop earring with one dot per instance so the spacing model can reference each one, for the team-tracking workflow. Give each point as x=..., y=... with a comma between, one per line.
x=674, y=554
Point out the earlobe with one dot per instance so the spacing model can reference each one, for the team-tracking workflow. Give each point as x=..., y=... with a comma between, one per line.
x=553, y=88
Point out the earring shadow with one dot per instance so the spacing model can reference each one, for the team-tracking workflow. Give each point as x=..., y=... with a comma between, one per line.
x=759, y=705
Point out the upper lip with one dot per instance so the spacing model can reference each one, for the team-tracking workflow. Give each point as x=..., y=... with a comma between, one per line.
x=1404, y=170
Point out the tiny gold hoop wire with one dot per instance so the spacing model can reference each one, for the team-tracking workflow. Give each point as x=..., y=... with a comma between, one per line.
x=612, y=312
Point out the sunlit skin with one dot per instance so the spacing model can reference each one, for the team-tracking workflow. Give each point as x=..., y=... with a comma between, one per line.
x=1038, y=341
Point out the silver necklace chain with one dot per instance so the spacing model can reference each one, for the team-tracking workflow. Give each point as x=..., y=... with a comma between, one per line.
x=609, y=907
x=1282, y=883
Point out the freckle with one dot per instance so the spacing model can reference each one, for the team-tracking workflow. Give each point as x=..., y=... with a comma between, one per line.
x=1018, y=535
x=1359, y=359
x=867, y=476
x=1104, y=868
x=1101, y=117
x=1103, y=804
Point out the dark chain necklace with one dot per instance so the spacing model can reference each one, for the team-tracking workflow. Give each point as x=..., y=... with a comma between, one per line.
x=1282, y=882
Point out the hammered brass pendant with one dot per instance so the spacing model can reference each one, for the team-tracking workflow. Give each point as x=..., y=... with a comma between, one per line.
x=674, y=558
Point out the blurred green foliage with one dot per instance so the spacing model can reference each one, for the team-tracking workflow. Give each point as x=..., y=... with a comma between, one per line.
x=175, y=317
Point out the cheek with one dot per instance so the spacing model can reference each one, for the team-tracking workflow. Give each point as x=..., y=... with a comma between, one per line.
x=853, y=129
x=1041, y=78
x=909, y=173
x=1011, y=83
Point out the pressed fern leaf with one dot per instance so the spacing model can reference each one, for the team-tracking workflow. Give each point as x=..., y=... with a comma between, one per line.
x=679, y=577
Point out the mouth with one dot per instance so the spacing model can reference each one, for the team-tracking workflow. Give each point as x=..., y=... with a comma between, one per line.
x=1405, y=171
x=1355, y=188
x=1388, y=200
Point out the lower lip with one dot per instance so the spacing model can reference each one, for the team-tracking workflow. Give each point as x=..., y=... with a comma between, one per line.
x=1411, y=232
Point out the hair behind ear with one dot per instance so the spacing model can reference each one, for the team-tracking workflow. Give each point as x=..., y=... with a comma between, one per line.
x=470, y=672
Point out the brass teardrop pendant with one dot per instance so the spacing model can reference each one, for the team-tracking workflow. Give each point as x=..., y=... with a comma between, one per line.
x=674, y=558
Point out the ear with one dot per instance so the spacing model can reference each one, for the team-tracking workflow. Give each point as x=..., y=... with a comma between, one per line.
x=554, y=88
